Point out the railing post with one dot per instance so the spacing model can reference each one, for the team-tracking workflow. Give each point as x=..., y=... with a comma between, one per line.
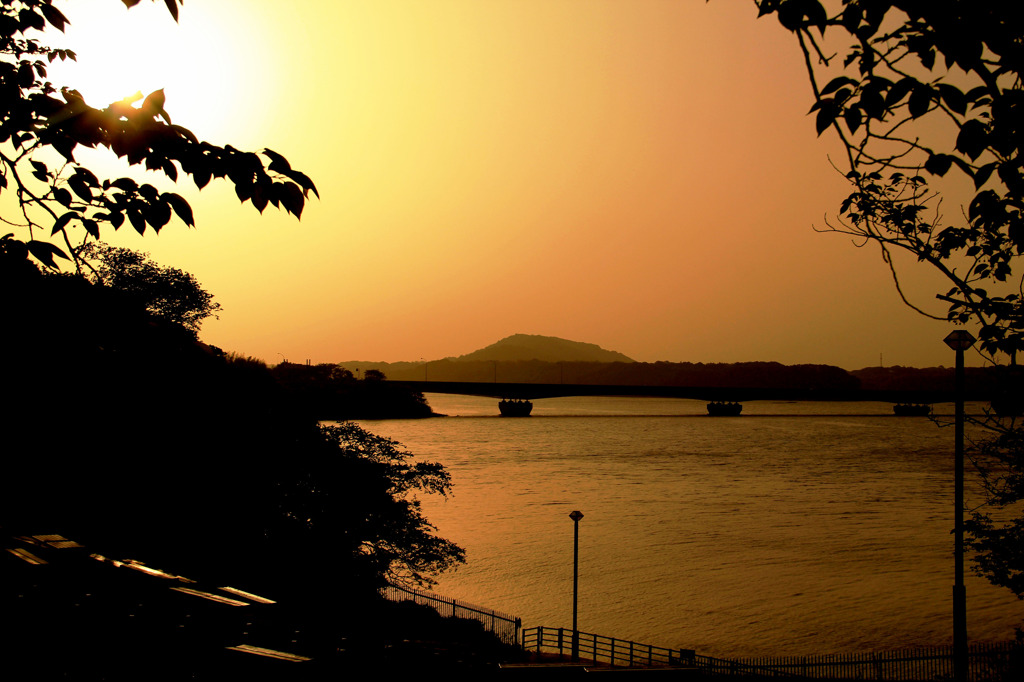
x=559, y=641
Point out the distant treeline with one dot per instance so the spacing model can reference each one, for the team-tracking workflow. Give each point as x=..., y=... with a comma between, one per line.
x=332, y=393
x=980, y=380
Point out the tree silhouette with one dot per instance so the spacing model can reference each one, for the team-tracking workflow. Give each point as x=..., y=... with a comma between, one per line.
x=165, y=292
x=183, y=442
x=39, y=124
x=356, y=498
x=917, y=90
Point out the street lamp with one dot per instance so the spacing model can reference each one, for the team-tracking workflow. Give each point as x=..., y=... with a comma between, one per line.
x=575, y=516
x=959, y=340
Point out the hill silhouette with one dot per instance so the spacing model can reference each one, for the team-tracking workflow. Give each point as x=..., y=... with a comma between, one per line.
x=479, y=365
x=529, y=358
x=526, y=347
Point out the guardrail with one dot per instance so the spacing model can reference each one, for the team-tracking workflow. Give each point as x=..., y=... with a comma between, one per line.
x=501, y=625
x=999, y=662
x=986, y=663
x=601, y=649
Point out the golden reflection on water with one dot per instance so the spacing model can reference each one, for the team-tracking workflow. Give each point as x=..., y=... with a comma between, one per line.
x=752, y=535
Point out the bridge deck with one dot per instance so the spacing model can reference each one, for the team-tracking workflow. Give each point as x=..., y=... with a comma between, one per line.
x=709, y=393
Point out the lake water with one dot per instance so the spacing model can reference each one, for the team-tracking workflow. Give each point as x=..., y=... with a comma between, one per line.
x=797, y=528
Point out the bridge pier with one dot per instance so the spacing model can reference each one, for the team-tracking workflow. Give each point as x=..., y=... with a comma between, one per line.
x=718, y=408
x=515, y=407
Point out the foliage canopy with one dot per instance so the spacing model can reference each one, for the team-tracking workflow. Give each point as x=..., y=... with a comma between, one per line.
x=41, y=128
x=188, y=448
x=917, y=90
x=365, y=486
x=165, y=292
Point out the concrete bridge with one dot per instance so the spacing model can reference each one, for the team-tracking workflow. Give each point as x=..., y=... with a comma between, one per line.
x=521, y=391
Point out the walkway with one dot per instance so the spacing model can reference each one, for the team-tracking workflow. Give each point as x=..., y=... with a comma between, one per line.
x=73, y=613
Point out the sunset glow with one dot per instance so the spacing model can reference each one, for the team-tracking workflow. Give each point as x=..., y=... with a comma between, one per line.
x=639, y=175
x=509, y=334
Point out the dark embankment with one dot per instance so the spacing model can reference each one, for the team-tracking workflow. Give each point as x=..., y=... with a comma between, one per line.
x=331, y=392
x=127, y=435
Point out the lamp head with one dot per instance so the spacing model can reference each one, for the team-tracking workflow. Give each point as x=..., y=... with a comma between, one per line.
x=959, y=339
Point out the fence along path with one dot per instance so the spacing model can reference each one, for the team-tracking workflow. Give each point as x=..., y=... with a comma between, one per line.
x=503, y=626
x=601, y=649
x=987, y=662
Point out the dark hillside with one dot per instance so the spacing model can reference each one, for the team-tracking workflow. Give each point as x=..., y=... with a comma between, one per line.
x=527, y=347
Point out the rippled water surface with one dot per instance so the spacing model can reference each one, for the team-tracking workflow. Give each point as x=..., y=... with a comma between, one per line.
x=774, y=532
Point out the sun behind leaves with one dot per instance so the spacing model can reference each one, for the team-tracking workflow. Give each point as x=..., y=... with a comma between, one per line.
x=187, y=439
x=56, y=194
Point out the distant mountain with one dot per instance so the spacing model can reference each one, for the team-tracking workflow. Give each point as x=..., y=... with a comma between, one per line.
x=535, y=359
x=526, y=347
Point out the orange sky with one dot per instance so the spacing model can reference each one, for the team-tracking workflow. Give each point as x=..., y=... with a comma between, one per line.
x=640, y=174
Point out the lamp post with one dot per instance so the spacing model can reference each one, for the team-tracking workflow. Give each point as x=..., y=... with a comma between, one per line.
x=575, y=516
x=959, y=340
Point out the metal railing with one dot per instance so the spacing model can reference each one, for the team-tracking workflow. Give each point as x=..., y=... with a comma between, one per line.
x=986, y=663
x=601, y=649
x=1001, y=662
x=501, y=625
